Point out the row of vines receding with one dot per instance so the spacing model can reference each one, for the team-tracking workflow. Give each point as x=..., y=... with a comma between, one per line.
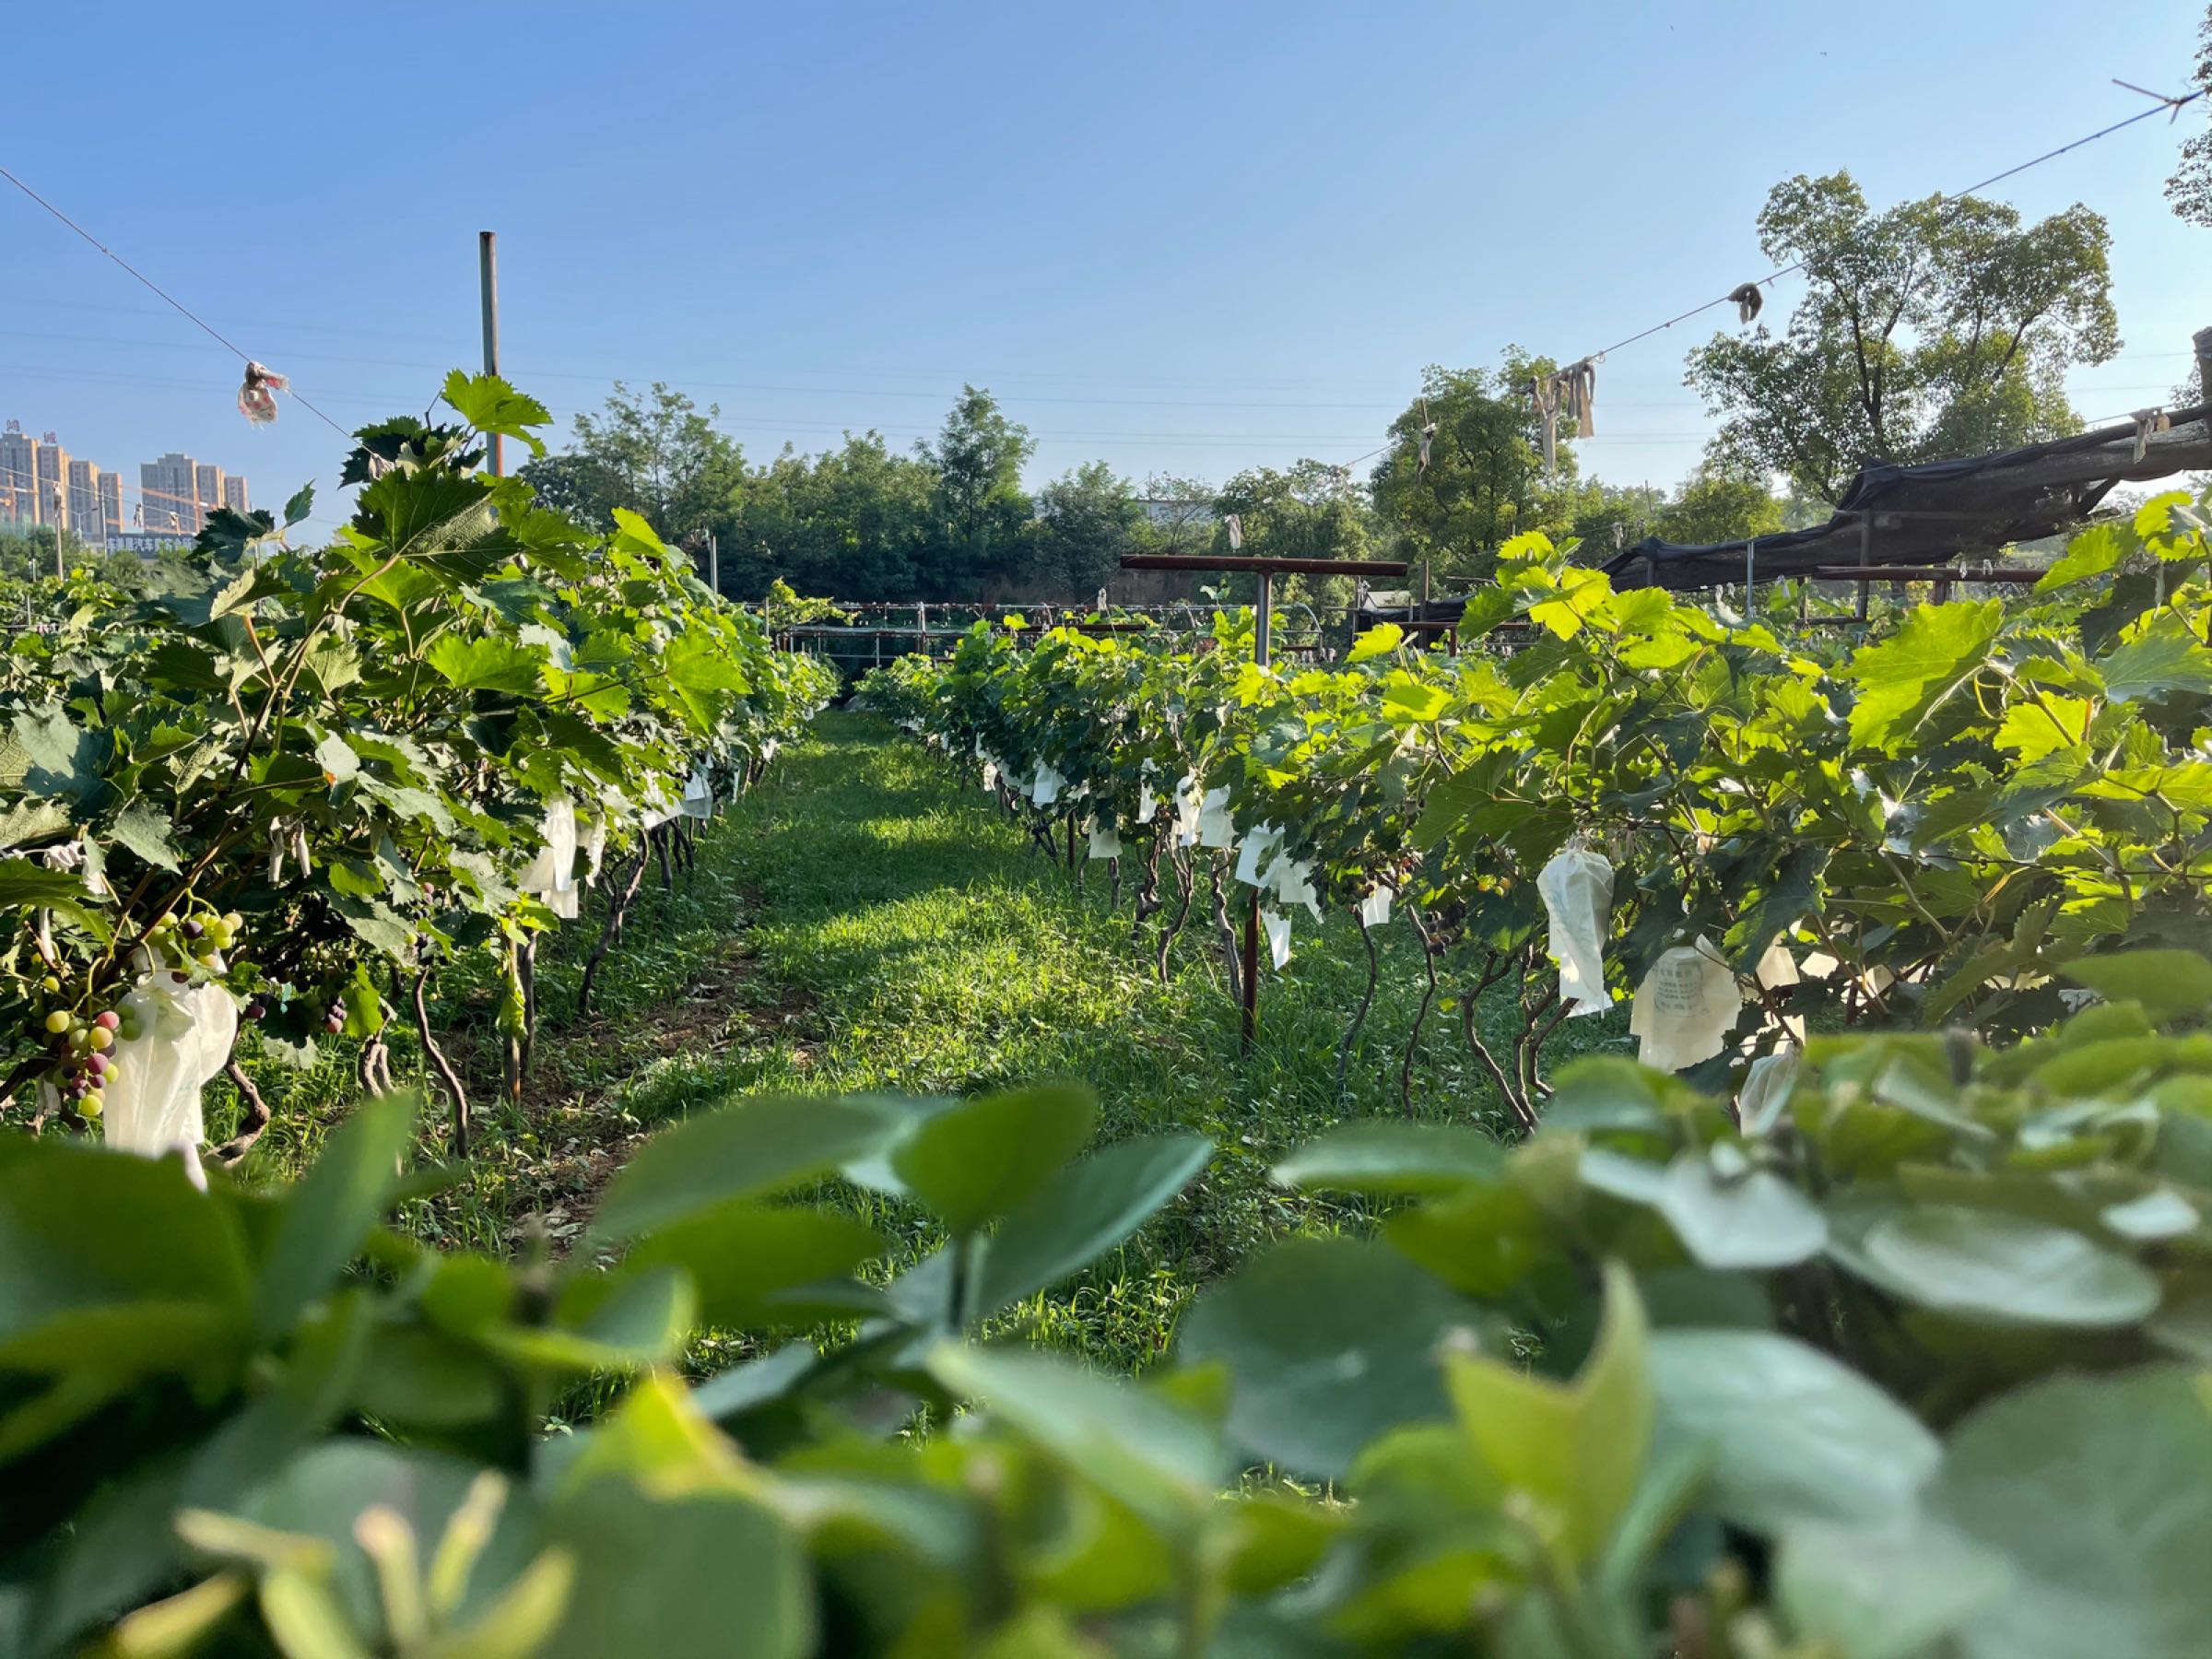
x=1748, y=826
x=269, y=808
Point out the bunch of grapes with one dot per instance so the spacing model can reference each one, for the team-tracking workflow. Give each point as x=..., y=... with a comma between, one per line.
x=83, y=1068
x=200, y=939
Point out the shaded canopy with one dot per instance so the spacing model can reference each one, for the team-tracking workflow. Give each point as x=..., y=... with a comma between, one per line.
x=1939, y=509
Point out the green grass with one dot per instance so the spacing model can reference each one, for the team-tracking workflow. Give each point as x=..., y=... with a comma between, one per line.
x=868, y=920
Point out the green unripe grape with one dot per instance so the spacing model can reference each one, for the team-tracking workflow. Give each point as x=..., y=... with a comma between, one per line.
x=130, y=1029
x=234, y=922
x=100, y=1039
x=57, y=1022
x=93, y=1105
x=50, y=983
x=112, y=1075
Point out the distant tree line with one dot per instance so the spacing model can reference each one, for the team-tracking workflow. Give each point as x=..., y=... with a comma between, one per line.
x=1930, y=329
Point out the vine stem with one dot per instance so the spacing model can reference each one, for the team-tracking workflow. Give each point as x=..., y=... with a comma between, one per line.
x=1366, y=1001
x=444, y=1067
x=1413, y=1037
x=611, y=934
x=256, y=1119
x=1187, y=879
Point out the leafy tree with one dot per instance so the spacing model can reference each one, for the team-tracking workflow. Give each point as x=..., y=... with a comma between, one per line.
x=978, y=457
x=858, y=522
x=655, y=454
x=1314, y=510
x=1484, y=479
x=1716, y=505
x=1937, y=328
x=1178, y=514
x=1086, y=519
x=1603, y=518
x=2190, y=189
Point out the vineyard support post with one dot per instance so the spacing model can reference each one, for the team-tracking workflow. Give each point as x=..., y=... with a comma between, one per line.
x=1266, y=570
x=1248, y=1023
x=1866, y=556
x=487, y=281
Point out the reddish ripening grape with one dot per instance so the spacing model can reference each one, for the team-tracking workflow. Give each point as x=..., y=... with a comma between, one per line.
x=107, y=1020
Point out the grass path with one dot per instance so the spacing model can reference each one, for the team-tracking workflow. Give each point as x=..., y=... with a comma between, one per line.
x=867, y=921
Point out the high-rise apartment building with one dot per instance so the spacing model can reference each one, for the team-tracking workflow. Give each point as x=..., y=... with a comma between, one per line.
x=111, y=504
x=207, y=488
x=85, y=516
x=234, y=494
x=19, y=475
x=53, y=469
x=168, y=494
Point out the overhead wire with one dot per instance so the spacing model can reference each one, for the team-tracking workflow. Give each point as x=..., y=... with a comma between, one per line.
x=2170, y=106
x=164, y=295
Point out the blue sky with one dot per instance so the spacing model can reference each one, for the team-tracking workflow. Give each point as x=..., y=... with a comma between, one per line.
x=1185, y=239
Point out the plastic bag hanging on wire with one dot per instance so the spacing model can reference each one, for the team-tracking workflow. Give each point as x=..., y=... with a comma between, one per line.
x=1105, y=840
x=1577, y=891
x=1146, y=802
x=257, y=394
x=1277, y=928
x=1045, y=788
x=1684, y=1006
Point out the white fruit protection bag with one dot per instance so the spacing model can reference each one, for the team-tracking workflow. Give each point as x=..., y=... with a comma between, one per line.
x=1577, y=891
x=183, y=1042
x=1685, y=1006
x=552, y=874
x=1215, y=828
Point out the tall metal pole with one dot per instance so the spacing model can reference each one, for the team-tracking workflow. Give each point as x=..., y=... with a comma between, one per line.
x=714, y=564
x=1263, y=628
x=58, y=569
x=487, y=280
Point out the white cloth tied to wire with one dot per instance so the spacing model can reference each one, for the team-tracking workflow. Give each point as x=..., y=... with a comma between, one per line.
x=1045, y=787
x=1684, y=1006
x=2146, y=422
x=1571, y=393
x=1577, y=891
x=1105, y=840
x=184, y=1037
x=551, y=876
x=1215, y=828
